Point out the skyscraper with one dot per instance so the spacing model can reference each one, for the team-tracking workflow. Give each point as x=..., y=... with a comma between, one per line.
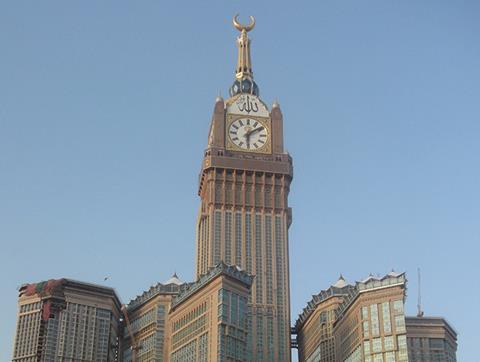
x=244, y=214
x=208, y=320
x=355, y=323
x=67, y=320
x=430, y=339
x=314, y=327
x=145, y=332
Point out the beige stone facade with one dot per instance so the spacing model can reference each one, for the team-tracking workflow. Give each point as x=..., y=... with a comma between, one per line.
x=364, y=322
x=208, y=321
x=148, y=316
x=67, y=320
x=314, y=328
x=370, y=323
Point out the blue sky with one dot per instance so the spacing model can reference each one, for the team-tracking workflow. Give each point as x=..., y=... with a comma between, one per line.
x=104, y=114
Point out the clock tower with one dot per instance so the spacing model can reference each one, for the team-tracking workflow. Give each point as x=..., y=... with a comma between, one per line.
x=244, y=214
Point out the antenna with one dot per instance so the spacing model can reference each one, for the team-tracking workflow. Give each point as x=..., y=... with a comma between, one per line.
x=419, y=303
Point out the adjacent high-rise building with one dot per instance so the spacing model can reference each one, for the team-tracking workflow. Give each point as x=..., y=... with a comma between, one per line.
x=364, y=322
x=430, y=339
x=314, y=327
x=208, y=321
x=145, y=331
x=370, y=323
x=244, y=214
x=67, y=320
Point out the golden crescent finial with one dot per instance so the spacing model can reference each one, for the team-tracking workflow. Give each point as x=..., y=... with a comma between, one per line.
x=241, y=27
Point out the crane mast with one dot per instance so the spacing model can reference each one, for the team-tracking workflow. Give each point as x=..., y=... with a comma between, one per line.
x=134, y=345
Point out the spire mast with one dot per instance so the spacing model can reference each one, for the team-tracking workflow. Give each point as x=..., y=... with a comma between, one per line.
x=244, y=82
x=244, y=61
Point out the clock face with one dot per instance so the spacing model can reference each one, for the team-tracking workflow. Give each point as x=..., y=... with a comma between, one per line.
x=248, y=134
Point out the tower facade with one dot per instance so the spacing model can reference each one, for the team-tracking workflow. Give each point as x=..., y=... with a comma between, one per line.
x=67, y=320
x=244, y=214
x=145, y=336
x=430, y=339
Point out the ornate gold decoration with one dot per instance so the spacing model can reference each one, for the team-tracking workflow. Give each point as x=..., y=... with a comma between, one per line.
x=241, y=27
x=264, y=121
x=244, y=62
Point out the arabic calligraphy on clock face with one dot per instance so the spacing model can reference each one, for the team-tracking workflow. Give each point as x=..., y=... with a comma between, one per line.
x=248, y=104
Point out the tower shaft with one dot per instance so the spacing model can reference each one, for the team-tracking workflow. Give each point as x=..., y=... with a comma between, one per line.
x=244, y=221
x=244, y=215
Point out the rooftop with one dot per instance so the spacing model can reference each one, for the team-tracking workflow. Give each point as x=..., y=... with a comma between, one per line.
x=349, y=292
x=368, y=284
x=232, y=271
x=56, y=287
x=174, y=280
x=339, y=288
x=430, y=322
x=172, y=286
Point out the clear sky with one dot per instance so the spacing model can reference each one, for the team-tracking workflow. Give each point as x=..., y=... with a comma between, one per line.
x=104, y=114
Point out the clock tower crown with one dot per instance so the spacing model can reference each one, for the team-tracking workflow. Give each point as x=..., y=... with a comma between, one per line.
x=244, y=133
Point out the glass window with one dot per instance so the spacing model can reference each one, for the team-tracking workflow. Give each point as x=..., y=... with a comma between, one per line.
x=323, y=317
x=387, y=325
x=386, y=309
x=390, y=357
x=436, y=343
x=366, y=347
x=389, y=343
x=400, y=323
x=364, y=312
x=398, y=306
x=374, y=319
x=377, y=345
x=402, y=348
x=366, y=330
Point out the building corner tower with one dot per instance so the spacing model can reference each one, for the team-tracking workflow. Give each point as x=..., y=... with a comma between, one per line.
x=244, y=214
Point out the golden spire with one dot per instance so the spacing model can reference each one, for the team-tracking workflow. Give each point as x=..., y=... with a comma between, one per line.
x=243, y=73
x=244, y=62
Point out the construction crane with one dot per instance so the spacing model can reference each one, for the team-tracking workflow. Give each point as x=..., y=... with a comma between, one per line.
x=419, y=302
x=133, y=341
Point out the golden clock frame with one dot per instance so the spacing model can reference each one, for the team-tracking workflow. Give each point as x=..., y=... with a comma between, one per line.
x=264, y=121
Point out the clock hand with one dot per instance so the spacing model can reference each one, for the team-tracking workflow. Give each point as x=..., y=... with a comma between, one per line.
x=254, y=130
x=257, y=129
x=247, y=136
